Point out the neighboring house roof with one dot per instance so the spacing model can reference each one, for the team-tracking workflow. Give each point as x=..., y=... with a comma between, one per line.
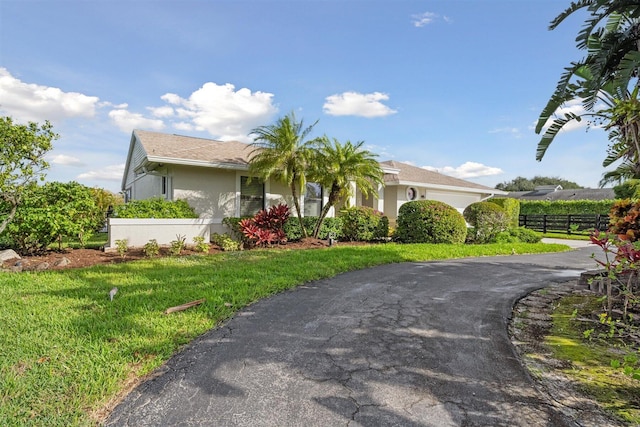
x=412, y=175
x=577, y=194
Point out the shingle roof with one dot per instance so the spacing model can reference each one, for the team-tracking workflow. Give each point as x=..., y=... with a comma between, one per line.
x=409, y=173
x=163, y=145
x=578, y=194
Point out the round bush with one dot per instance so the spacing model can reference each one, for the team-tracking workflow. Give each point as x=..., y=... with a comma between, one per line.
x=487, y=219
x=430, y=221
x=363, y=224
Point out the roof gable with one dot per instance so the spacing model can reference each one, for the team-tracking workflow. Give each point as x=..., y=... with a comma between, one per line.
x=171, y=148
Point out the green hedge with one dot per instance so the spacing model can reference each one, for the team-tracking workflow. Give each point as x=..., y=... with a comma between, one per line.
x=156, y=207
x=566, y=207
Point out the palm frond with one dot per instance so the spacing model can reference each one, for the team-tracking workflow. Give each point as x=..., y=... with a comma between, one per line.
x=552, y=131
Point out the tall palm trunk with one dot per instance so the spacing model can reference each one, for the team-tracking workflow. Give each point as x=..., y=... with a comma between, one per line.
x=296, y=203
x=333, y=196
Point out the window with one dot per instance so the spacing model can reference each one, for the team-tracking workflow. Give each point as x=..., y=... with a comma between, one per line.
x=411, y=193
x=313, y=199
x=164, y=185
x=251, y=196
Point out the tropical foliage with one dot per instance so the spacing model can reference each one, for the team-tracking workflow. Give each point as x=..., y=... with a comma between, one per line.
x=282, y=152
x=604, y=83
x=364, y=224
x=266, y=227
x=338, y=166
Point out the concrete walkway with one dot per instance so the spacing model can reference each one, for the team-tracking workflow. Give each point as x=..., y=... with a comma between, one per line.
x=412, y=344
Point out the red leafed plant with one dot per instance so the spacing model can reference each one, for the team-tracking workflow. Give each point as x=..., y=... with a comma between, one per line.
x=266, y=227
x=622, y=257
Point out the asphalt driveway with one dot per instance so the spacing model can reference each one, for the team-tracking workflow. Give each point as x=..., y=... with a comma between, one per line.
x=412, y=344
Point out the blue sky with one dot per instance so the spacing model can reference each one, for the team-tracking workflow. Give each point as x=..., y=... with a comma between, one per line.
x=452, y=85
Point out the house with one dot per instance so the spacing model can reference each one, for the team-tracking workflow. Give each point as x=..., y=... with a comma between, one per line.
x=213, y=177
x=555, y=192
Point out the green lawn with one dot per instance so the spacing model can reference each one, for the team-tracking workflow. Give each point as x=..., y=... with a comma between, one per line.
x=66, y=351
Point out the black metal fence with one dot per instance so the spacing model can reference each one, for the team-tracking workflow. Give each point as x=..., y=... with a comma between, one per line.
x=565, y=223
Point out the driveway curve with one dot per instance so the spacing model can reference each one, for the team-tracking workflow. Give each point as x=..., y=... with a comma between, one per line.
x=411, y=344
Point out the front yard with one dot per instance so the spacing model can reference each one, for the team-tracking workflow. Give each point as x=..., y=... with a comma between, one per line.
x=67, y=352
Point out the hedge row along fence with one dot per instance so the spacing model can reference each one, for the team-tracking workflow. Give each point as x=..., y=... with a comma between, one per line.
x=566, y=207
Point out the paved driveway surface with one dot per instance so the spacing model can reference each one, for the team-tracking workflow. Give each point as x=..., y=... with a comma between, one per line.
x=412, y=344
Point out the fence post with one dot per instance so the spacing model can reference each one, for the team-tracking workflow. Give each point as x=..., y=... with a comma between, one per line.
x=544, y=224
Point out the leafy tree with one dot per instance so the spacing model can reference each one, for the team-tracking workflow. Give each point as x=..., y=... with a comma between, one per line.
x=52, y=212
x=337, y=166
x=611, y=38
x=106, y=201
x=22, y=151
x=283, y=153
x=524, y=184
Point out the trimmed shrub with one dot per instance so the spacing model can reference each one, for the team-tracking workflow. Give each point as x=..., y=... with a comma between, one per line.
x=430, y=221
x=156, y=207
x=363, y=224
x=487, y=220
x=511, y=207
x=516, y=235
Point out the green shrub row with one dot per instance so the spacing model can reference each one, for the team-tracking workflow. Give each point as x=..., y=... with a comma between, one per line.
x=364, y=224
x=156, y=207
x=565, y=207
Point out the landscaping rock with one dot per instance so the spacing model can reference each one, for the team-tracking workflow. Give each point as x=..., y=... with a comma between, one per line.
x=42, y=266
x=63, y=262
x=8, y=254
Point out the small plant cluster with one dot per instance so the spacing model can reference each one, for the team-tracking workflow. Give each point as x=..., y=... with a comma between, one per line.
x=151, y=248
x=622, y=267
x=199, y=245
x=267, y=226
x=226, y=242
x=122, y=246
x=177, y=246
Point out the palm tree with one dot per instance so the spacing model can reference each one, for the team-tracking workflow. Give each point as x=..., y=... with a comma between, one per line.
x=282, y=153
x=337, y=166
x=611, y=36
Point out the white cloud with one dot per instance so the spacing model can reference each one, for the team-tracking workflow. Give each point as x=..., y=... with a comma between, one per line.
x=127, y=121
x=221, y=110
x=573, y=106
x=32, y=102
x=64, y=160
x=162, y=112
x=422, y=19
x=357, y=104
x=108, y=173
x=467, y=170
x=515, y=132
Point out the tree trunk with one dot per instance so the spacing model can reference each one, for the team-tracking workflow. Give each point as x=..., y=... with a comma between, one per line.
x=333, y=196
x=296, y=203
x=9, y=218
